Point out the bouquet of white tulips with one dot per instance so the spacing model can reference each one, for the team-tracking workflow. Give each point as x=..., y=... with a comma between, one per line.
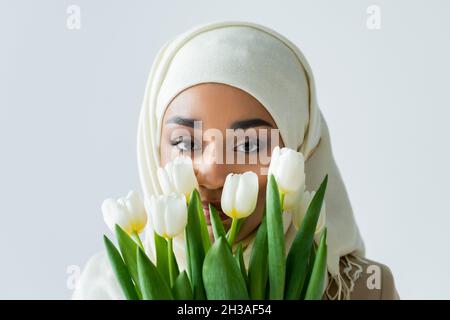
x=216, y=269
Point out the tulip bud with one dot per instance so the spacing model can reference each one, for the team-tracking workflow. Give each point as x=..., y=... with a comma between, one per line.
x=299, y=212
x=178, y=177
x=128, y=212
x=168, y=214
x=288, y=168
x=240, y=194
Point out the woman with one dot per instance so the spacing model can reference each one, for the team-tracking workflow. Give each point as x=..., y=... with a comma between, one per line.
x=230, y=76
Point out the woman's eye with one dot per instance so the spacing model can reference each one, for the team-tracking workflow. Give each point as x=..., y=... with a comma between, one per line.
x=248, y=146
x=185, y=144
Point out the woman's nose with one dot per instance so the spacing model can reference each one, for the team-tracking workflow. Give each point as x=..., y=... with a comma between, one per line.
x=210, y=170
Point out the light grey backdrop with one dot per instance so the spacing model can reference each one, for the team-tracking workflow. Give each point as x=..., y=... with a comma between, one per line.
x=69, y=104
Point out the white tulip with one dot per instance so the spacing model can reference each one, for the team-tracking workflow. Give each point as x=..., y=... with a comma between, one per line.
x=299, y=212
x=288, y=168
x=240, y=194
x=292, y=199
x=128, y=212
x=178, y=177
x=168, y=214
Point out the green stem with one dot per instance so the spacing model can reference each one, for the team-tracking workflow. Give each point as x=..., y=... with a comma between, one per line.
x=282, y=201
x=233, y=230
x=135, y=236
x=171, y=262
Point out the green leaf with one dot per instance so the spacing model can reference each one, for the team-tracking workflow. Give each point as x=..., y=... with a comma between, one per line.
x=297, y=260
x=316, y=284
x=120, y=270
x=221, y=275
x=258, y=268
x=152, y=284
x=128, y=249
x=275, y=241
x=194, y=247
x=162, y=261
x=201, y=220
x=312, y=257
x=182, y=287
x=267, y=291
x=216, y=222
x=240, y=262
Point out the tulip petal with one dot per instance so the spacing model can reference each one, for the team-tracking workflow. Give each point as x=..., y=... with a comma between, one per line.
x=288, y=167
x=293, y=199
x=246, y=194
x=136, y=211
x=183, y=176
x=107, y=206
x=156, y=211
x=128, y=212
x=175, y=215
x=298, y=213
x=114, y=212
x=164, y=181
x=274, y=160
x=229, y=194
x=290, y=173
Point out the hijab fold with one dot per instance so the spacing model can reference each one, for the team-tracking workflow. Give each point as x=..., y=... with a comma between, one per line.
x=269, y=67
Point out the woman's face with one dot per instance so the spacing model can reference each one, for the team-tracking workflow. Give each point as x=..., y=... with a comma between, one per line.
x=236, y=135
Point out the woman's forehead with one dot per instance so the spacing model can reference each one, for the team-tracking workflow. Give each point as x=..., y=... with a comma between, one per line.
x=216, y=105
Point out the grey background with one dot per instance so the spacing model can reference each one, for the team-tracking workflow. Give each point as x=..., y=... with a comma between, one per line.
x=69, y=104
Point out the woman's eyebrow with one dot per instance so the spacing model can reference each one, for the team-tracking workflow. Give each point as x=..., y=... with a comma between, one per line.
x=244, y=124
x=182, y=121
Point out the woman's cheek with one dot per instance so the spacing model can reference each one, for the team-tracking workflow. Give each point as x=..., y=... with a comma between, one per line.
x=262, y=180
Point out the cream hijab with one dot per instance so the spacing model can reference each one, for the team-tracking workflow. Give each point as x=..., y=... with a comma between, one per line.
x=272, y=69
